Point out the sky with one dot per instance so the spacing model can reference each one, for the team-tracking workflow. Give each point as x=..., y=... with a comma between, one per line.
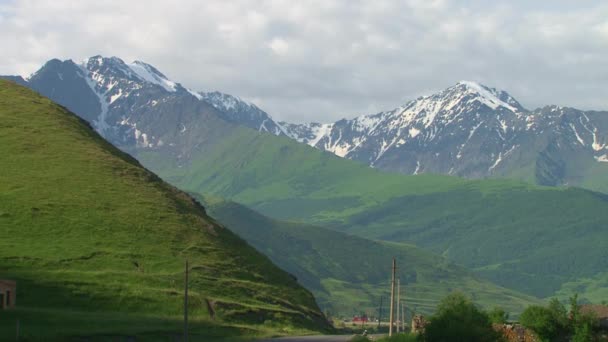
x=323, y=60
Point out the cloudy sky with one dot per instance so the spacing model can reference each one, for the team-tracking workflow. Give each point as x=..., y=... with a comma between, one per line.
x=327, y=59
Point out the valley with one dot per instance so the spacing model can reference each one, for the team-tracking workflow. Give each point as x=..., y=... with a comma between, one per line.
x=332, y=221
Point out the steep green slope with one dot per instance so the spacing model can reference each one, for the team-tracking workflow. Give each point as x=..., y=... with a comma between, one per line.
x=97, y=243
x=521, y=236
x=348, y=274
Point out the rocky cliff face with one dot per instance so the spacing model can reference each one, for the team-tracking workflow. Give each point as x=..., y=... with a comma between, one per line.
x=467, y=130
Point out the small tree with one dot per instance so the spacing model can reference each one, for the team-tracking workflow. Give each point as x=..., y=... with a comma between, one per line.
x=582, y=333
x=575, y=309
x=459, y=320
x=560, y=315
x=542, y=321
x=498, y=315
x=581, y=324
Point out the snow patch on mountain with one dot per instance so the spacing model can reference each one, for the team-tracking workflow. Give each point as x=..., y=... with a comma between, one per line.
x=100, y=124
x=414, y=132
x=487, y=96
x=319, y=132
x=602, y=159
x=578, y=137
x=149, y=74
x=116, y=96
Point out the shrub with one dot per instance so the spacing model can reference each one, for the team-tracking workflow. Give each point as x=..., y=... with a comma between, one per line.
x=459, y=320
x=498, y=315
x=542, y=321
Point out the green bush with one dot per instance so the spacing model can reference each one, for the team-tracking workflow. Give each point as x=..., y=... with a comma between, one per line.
x=498, y=315
x=581, y=325
x=459, y=320
x=542, y=321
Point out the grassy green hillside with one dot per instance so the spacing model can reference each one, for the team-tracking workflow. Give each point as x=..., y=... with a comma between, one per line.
x=348, y=274
x=529, y=238
x=97, y=243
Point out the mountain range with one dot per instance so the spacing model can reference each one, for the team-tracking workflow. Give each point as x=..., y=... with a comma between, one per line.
x=473, y=131
x=467, y=130
x=534, y=239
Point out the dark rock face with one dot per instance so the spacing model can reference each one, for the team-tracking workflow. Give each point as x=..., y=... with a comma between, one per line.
x=235, y=110
x=133, y=105
x=136, y=107
x=17, y=79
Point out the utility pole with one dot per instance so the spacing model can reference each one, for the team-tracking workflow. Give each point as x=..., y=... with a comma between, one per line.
x=403, y=315
x=391, y=319
x=398, y=303
x=380, y=313
x=186, y=305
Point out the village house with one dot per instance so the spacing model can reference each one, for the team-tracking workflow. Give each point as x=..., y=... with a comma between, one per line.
x=8, y=294
x=360, y=320
x=598, y=311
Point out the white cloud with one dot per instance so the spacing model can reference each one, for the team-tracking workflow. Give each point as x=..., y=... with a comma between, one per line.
x=279, y=46
x=324, y=59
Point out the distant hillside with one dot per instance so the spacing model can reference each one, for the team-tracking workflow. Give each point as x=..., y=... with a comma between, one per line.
x=97, y=244
x=348, y=274
x=529, y=238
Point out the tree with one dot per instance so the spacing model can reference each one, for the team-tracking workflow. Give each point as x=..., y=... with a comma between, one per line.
x=582, y=325
x=560, y=316
x=458, y=320
x=542, y=321
x=582, y=333
x=498, y=315
x=575, y=309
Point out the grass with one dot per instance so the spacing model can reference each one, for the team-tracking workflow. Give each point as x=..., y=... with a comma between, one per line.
x=40, y=324
x=401, y=337
x=405, y=337
x=348, y=274
x=529, y=238
x=86, y=229
x=590, y=290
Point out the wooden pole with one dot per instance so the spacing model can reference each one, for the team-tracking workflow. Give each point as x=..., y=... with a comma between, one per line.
x=380, y=313
x=186, y=305
x=398, y=303
x=392, y=313
x=403, y=315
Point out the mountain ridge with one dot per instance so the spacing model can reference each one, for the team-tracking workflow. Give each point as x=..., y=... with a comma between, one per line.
x=467, y=130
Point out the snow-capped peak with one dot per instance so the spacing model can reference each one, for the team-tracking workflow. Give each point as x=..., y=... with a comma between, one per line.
x=224, y=101
x=488, y=96
x=234, y=109
x=148, y=73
